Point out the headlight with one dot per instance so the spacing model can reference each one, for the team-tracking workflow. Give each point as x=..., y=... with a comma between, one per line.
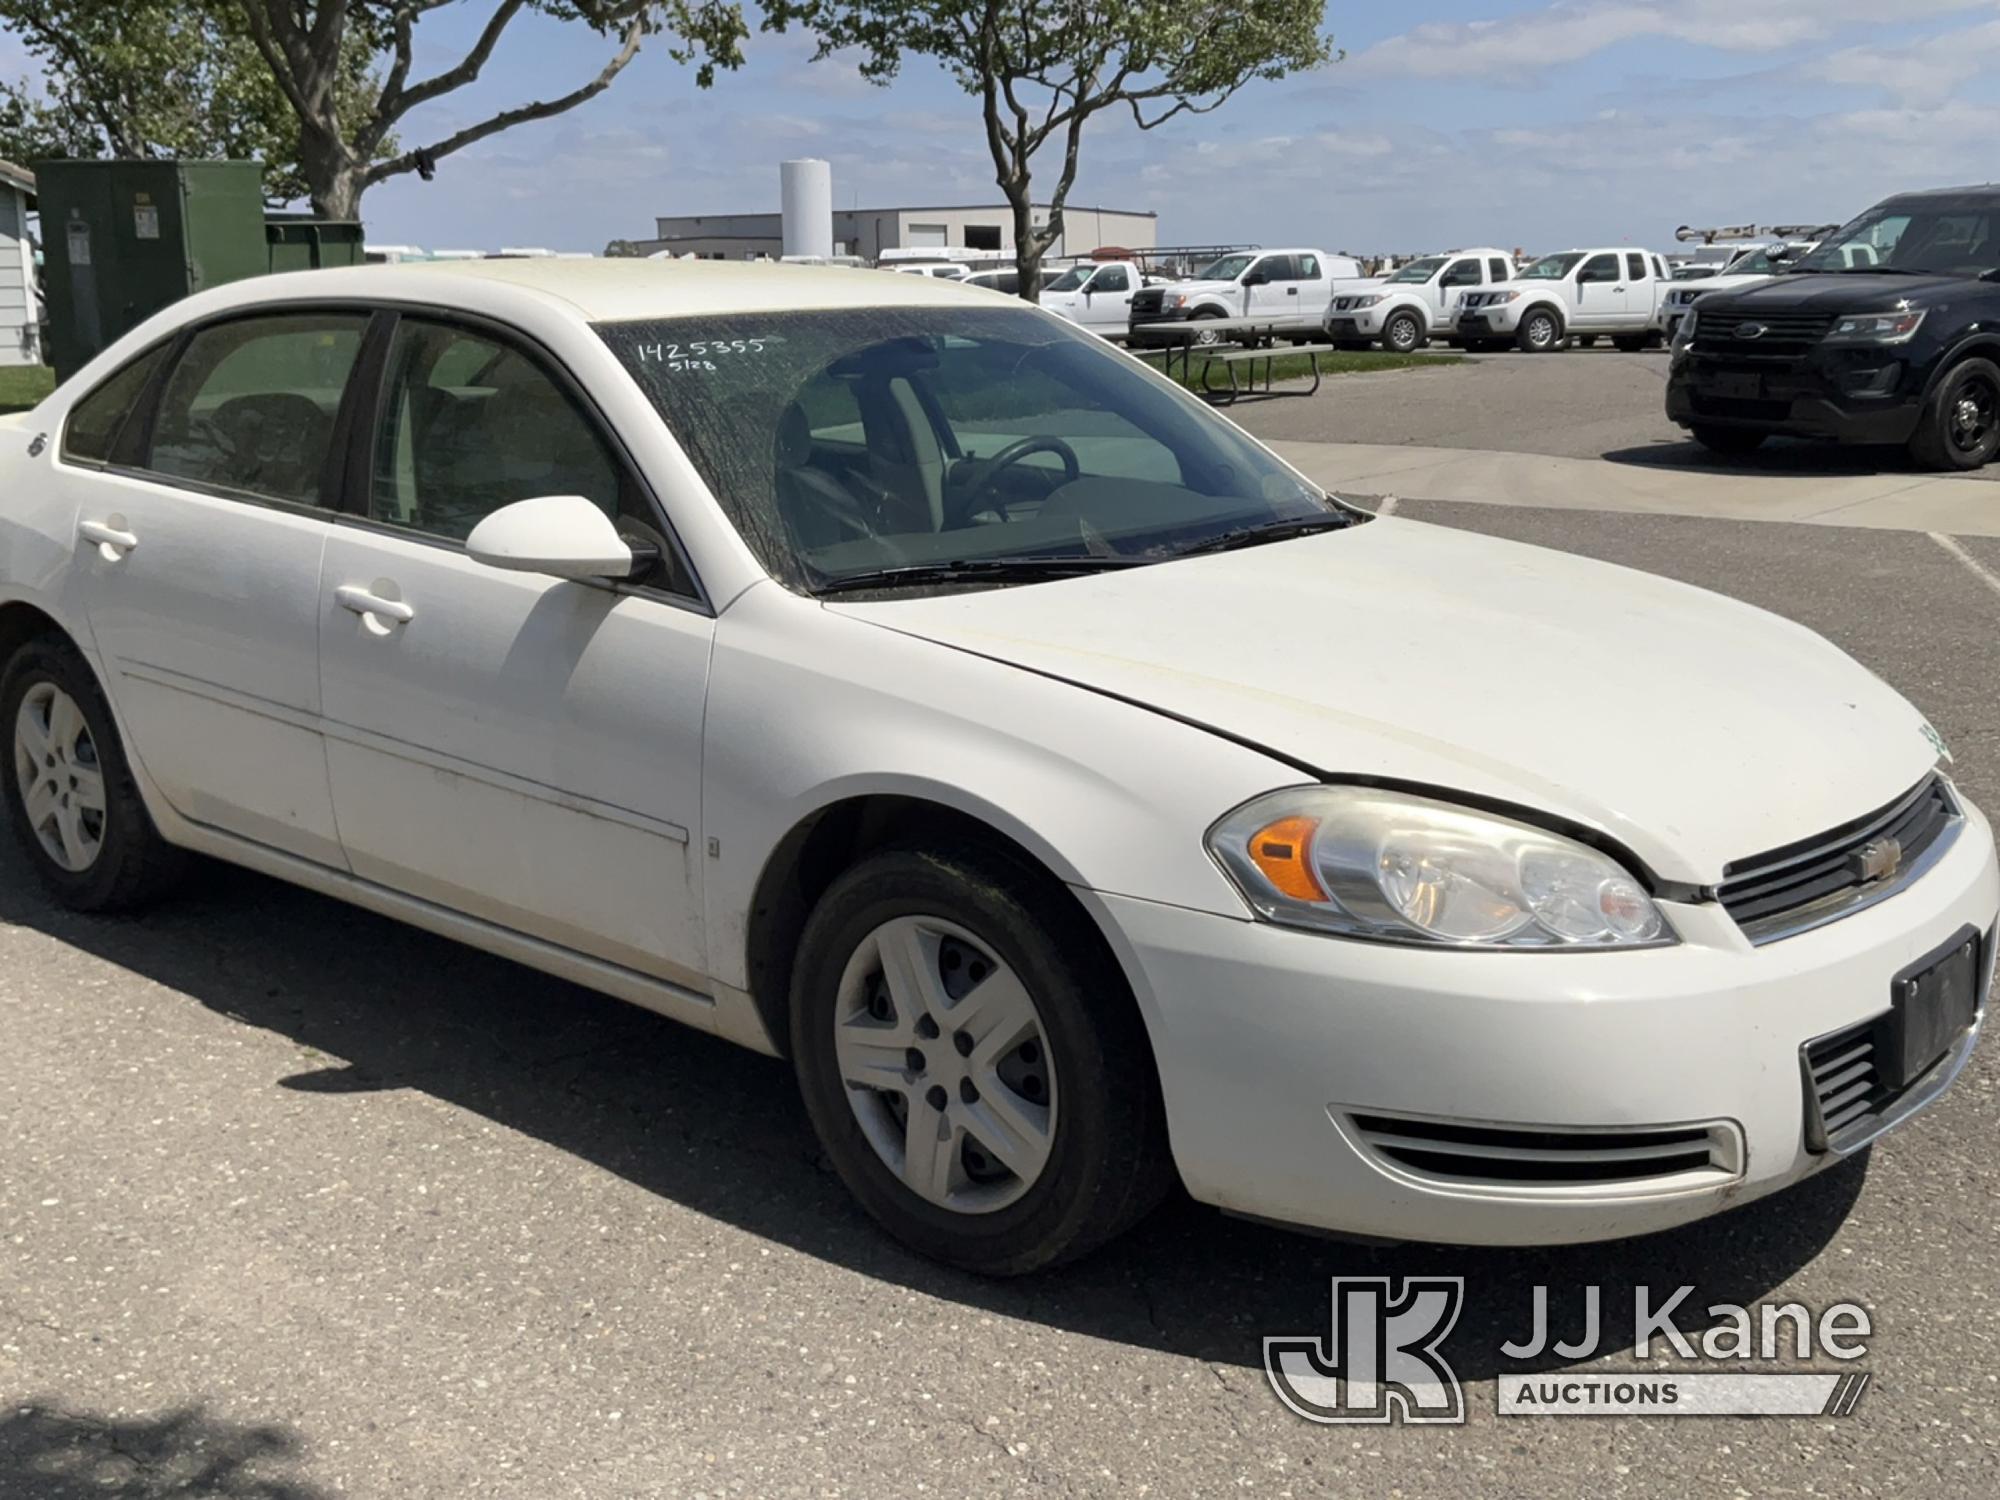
x=1876, y=328
x=1174, y=299
x=1383, y=865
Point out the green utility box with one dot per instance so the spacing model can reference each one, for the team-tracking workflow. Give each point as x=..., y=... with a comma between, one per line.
x=299, y=242
x=123, y=239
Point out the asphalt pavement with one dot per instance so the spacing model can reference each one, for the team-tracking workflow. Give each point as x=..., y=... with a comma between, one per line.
x=297, y=1203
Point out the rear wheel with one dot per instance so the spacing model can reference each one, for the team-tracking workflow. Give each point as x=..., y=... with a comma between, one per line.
x=1541, y=331
x=70, y=797
x=973, y=1062
x=1731, y=441
x=1960, y=426
x=1403, y=333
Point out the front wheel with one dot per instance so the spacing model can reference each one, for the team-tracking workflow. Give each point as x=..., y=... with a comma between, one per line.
x=1206, y=337
x=71, y=800
x=1403, y=334
x=973, y=1062
x=1960, y=425
x=1541, y=331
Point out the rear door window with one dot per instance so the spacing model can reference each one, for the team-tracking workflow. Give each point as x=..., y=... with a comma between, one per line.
x=95, y=422
x=249, y=408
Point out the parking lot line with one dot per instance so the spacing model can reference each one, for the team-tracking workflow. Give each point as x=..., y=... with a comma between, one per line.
x=1977, y=568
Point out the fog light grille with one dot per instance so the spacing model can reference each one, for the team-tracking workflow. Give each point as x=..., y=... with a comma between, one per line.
x=1531, y=1157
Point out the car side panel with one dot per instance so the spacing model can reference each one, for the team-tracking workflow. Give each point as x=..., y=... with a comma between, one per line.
x=809, y=707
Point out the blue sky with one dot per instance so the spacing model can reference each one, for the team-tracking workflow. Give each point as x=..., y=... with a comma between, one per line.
x=1450, y=122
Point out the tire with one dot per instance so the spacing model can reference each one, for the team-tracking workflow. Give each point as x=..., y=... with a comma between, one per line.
x=1732, y=442
x=1404, y=333
x=1541, y=331
x=1204, y=337
x=974, y=917
x=1630, y=343
x=95, y=847
x=1960, y=425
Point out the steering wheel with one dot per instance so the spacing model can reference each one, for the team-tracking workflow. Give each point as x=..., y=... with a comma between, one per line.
x=963, y=510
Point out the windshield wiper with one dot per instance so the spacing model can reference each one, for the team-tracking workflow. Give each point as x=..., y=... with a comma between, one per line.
x=975, y=570
x=1273, y=531
x=1883, y=271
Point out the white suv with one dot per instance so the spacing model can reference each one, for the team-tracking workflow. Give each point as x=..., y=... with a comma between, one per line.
x=1416, y=304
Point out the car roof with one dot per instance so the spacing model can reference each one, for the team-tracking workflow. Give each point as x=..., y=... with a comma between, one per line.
x=622, y=289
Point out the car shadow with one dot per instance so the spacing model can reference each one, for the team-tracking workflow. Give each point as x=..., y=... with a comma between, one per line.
x=719, y=1130
x=53, y=1451
x=1777, y=456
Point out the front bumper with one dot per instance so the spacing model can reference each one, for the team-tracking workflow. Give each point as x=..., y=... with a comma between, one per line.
x=1500, y=321
x=1271, y=1042
x=1356, y=323
x=1844, y=395
x=1163, y=329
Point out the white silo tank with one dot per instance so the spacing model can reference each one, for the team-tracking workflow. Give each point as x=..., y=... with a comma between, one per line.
x=807, y=195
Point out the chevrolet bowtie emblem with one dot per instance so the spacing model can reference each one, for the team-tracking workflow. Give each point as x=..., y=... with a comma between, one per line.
x=1877, y=859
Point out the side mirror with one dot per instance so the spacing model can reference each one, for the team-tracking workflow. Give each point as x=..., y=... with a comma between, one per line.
x=564, y=535
x=1255, y=278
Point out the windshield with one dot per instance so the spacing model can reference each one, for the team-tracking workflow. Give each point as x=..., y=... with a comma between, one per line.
x=848, y=442
x=1552, y=267
x=1070, y=280
x=1759, y=263
x=1226, y=269
x=1417, y=271
x=1943, y=237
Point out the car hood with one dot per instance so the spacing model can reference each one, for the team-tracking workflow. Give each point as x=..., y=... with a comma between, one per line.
x=1718, y=284
x=1693, y=729
x=1848, y=291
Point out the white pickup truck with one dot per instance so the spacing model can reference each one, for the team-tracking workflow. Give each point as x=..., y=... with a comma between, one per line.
x=1097, y=295
x=1577, y=293
x=1416, y=304
x=1289, y=288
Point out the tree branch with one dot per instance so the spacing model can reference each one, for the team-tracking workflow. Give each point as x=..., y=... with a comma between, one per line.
x=465, y=72
x=539, y=110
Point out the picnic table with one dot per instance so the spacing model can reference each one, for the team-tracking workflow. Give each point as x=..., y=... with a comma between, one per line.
x=1229, y=342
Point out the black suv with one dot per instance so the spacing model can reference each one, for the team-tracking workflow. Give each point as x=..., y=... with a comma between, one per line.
x=1887, y=332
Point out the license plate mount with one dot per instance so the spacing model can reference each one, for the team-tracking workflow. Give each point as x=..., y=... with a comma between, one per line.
x=1739, y=386
x=1934, y=1003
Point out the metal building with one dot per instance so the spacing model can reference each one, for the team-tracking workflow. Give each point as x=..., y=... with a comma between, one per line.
x=867, y=232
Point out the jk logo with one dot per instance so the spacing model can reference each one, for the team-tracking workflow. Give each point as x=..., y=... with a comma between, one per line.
x=1381, y=1362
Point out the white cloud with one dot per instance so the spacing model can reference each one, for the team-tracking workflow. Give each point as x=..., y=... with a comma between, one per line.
x=1569, y=31
x=1919, y=75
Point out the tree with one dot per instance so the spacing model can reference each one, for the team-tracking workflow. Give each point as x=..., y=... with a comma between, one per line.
x=1043, y=69
x=343, y=152
x=154, y=78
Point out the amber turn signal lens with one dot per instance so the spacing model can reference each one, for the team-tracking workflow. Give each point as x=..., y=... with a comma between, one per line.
x=1282, y=852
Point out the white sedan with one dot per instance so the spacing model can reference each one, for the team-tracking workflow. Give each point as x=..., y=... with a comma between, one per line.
x=892, y=676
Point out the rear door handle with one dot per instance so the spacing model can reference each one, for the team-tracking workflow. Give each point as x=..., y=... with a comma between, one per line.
x=360, y=601
x=110, y=539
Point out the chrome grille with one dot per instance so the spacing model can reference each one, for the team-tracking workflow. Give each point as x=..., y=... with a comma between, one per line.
x=1786, y=891
x=1536, y=1156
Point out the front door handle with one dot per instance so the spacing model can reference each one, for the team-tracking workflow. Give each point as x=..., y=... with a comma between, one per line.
x=366, y=603
x=110, y=540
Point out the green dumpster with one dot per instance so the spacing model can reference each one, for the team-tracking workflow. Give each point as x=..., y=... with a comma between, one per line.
x=299, y=242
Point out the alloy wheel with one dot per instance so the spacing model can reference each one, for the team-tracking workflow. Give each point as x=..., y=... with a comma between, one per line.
x=946, y=1065
x=1974, y=416
x=60, y=779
